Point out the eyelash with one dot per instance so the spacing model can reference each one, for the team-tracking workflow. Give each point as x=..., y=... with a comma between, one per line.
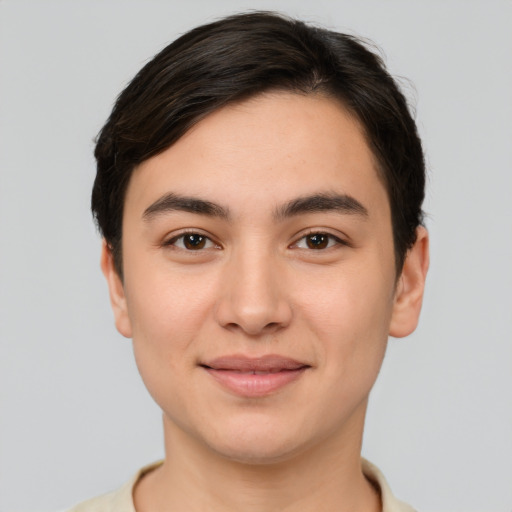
x=182, y=236
x=332, y=241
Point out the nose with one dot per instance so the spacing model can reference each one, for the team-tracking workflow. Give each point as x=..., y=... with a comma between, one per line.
x=253, y=298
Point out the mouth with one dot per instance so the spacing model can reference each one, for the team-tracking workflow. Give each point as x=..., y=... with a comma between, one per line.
x=254, y=377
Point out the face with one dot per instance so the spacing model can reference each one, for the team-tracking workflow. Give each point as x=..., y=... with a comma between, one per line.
x=259, y=278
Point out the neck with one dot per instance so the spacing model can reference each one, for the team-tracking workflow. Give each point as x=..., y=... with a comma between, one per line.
x=325, y=477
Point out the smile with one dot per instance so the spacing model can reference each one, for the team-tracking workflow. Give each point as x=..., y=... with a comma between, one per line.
x=254, y=377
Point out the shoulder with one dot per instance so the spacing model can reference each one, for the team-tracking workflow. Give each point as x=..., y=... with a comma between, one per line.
x=120, y=500
x=389, y=502
x=99, y=504
x=116, y=501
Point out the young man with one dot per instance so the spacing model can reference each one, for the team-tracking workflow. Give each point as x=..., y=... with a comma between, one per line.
x=259, y=192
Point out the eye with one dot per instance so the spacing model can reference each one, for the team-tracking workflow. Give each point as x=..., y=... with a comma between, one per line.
x=318, y=241
x=191, y=242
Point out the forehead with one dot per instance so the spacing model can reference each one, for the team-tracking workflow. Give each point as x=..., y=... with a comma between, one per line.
x=269, y=148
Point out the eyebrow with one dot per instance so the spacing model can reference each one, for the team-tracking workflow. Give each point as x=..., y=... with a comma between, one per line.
x=315, y=203
x=322, y=202
x=174, y=202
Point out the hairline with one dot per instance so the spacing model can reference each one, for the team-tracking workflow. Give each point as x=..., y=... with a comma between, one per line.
x=321, y=90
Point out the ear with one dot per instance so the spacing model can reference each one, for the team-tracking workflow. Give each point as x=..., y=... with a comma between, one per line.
x=116, y=289
x=410, y=287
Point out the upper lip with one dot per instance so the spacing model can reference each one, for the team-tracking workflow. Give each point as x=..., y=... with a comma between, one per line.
x=266, y=363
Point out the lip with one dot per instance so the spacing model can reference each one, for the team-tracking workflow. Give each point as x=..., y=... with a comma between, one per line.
x=254, y=377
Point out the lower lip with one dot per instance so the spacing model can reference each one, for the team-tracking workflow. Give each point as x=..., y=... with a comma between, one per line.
x=255, y=385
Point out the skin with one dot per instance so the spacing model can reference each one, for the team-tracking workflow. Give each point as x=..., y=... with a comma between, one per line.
x=257, y=287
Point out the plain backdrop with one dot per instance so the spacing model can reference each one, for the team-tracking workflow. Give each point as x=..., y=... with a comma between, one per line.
x=75, y=419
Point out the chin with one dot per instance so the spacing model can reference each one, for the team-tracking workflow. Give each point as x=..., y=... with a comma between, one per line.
x=257, y=455
x=258, y=444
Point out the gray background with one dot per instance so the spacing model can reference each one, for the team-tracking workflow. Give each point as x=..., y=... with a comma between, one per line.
x=75, y=419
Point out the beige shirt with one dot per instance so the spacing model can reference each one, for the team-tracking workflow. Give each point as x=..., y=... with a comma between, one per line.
x=122, y=499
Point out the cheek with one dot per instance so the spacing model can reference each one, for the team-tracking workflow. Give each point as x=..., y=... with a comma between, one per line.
x=168, y=312
x=167, y=306
x=352, y=303
x=162, y=335
x=350, y=315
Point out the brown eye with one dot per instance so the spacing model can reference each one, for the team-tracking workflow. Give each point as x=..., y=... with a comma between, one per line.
x=193, y=241
x=317, y=241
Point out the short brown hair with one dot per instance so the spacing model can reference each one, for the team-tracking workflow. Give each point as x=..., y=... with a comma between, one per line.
x=241, y=56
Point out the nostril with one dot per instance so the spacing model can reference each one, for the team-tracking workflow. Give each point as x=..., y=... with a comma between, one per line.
x=254, y=315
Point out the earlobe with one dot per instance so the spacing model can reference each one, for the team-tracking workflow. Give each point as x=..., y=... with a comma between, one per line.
x=410, y=287
x=116, y=290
